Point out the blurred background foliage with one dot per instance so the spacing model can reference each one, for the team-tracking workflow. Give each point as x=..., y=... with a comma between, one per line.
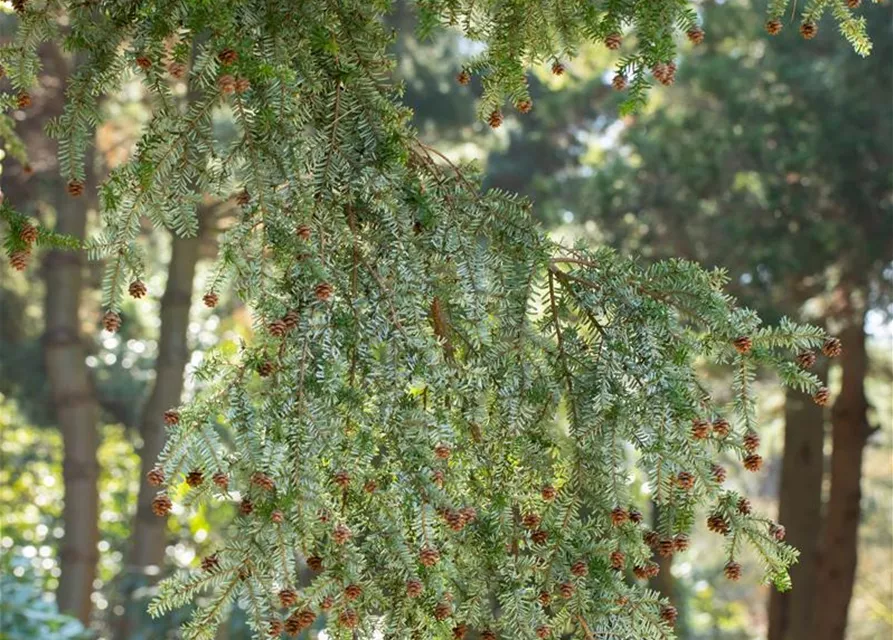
x=769, y=157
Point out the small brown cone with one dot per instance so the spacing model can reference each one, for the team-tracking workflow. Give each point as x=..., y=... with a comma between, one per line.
x=566, y=589
x=773, y=27
x=495, y=119
x=744, y=507
x=429, y=556
x=743, y=344
x=195, y=478
x=777, y=531
x=262, y=480
x=695, y=35
x=291, y=319
x=75, y=188
x=685, y=480
x=721, y=427
x=822, y=396
x=323, y=291
x=227, y=56
x=753, y=462
x=246, y=507
x=28, y=233
x=275, y=628
x=613, y=41
x=414, y=588
x=221, y=480
x=288, y=597
x=353, y=591
x=580, y=568
x=443, y=610
x=243, y=198
x=666, y=547
x=669, y=614
x=548, y=492
x=348, y=618
x=718, y=473
x=853, y=4
x=618, y=560
x=751, y=441
x=557, y=68
x=304, y=232
x=278, y=328
x=341, y=534
x=210, y=563
x=242, y=85
x=210, y=299
x=543, y=631
x=111, y=321
x=227, y=84
x=177, y=69
x=524, y=106
x=143, y=62
x=171, y=417
x=161, y=505
x=717, y=524
x=700, y=429
x=463, y=77
x=806, y=359
x=155, y=477
x=315, y=563
x=808, y=30
x=619, y=82
x=680, y=542
x=732, y=570
x=442, y=451
x=832, y=347
x=18, y=260
x=635, y=516
x=137, y=289
x=23, y=101
x=619, y=515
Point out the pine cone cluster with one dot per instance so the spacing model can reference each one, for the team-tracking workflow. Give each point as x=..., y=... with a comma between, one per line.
x=111, y=321
x=414, y=588
x=665, y=73
x=743, y=344
x=495, y=119
x=341, y=534
x=221, y=480
x=832, y=347
x=137, y=289
x=161, y=505
x=429, y=556
x=353, y=591
x=732, y=570
x=210, y=299
x=700, y=429
x=753, y=462
x=613, y=41
x=619, y=516
x=155, y=477
x=323, y=291
x=718, y=524
x=262, y=480
x=721, y=427
x=195, y=478
x=646, y=571
x=751, y=441
x=806, y=359
x=680, y=542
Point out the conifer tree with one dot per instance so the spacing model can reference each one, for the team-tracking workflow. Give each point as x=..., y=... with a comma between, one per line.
x=434, y=387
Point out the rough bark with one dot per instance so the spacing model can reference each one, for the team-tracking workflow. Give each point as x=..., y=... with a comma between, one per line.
x=800, y=511
x=850, y=431
x=149, y=531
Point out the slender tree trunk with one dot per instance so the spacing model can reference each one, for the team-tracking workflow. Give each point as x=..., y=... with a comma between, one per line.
x=663, y=581
x=850, y=432
x=800, y=511
x=149, y=531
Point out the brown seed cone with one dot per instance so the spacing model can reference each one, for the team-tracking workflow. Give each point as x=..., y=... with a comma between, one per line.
x=808, y=30
x=246, y=507
x=652, y=569
x=111, y=321
x=651, y=539
x=210, y=299
x=488, y=634
x=442, y=452
x=548, y=492
x=19, y=5
x=806, y=359
x=293, y=625
x=545, y=598
x=243, y=198
x=580, y=568
x=28, y=233
x=732, y=570
x=276, y=627
x=721, y=427
x=194, y=478
x=744, y=507
x=660, y=71
x=751, y=441
x=137, y=289
x=717, y=524
x=306, y=616
x=221, y=480
x=700, y=429
x=242, y=85
x=832, y=347
x=277, y=328
x=777, y=531
x=619, y=515
x=177, y=69
x=524, y=106
x=669, y=614
x=531, y=520
x=685, y=480
x=680, y=542
x=370, y=486
x=315, y=563
x=822, y=396
x=265, y=369
x=353, y=591
x=143, y=62
x=495, y=119
x=24, y=100
x=743, y=344
x=155, y=477
x=226, y=83
x=341, y=534
x=695, y=35
x=18, y=260
x=566, y=590
x=443, y=610
x=429, y=556
x=463, y=77
x=718, y=473
x=619, y=82
x=326, y=603
x=304, y=232
x=666, y=547
x=75, y=188
x=288, y=597
x=753, y=462
x=323, y=291
x=277, y=516
x=459, y=631
x=227, y=56
x=618, y=560
x=414, y=588
x=342, y=479
x=543, y=631
x=437, y=478
x=635, y=516
x=539, y=536
x=773, y=27
x=640, y=572
x=210, y=563
x=171, y=417
x=613, y=41
x=262, y=480
x=161, y=505
x=853, y=4
x=557, y=68
x=291, y=319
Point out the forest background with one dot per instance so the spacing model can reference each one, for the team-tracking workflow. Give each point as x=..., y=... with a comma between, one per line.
x=769, y=157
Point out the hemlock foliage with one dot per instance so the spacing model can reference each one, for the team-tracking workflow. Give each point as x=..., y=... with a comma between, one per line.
x=442, y=409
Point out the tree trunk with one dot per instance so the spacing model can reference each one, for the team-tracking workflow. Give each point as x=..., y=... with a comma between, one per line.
x=850, y=432
x=800, y=511
x=149, y=531
x=663, y=581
